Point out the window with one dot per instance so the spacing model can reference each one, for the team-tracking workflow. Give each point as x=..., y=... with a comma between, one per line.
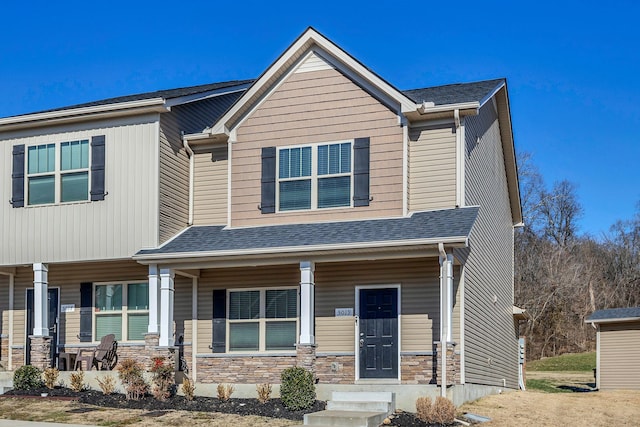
x=58, y=172
x=314, y=177
x=121, y=309
x=263, y=320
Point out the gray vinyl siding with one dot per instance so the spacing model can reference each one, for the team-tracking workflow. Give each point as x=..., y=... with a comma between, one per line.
x=174, y=178
x=114, y=228
x=620, y=356
x=490, y=345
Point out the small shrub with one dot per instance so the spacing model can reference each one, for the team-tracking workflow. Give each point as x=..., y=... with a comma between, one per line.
x=443, y=411
x=76, y=381
x=297, y=389
x=107, y=384
x=131, y=375
x=27, y=377
x=225, y=391
x=264, y=392
x=163, y=382
x=50, y=376
x=423, y=409
x=188, y=388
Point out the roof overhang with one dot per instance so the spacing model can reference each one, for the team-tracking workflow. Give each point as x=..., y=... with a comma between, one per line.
x=613, y=320
x=520, y=313
x=49, y=118
x=287, y=255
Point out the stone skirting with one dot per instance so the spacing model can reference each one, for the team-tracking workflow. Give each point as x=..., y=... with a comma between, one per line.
x=306, y=357
x=336, y=369
x=417, y=369
x=243, y=369
x=4, y=351
x=17, y=357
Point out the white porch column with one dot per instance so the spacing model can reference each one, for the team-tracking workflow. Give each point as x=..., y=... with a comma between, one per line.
x=446, y=298
x=154, y=299
x=40, y=300
x=167, y=276
x=307, y=303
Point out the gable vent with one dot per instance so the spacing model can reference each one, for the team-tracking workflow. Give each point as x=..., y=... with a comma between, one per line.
x=313, y=63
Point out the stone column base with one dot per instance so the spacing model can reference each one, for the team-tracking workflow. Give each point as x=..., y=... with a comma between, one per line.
x=41, y=352
x=306, y=357
x=453, y=363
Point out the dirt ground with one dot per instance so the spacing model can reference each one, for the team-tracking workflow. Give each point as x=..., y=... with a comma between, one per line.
x=534, y=408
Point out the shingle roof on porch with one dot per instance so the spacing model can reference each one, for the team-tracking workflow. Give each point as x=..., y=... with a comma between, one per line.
x=441, y=225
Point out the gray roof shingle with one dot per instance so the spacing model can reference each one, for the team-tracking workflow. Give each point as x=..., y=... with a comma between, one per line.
x=614, y=313
x=420, y=226
x=454, y=93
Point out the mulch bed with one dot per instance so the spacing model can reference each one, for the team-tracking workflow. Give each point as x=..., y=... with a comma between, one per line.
x=273, y=408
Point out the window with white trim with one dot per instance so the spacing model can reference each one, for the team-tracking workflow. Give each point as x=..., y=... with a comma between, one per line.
x=121, y=309
x=315, y=176
x=58, y=173
x=262, y=320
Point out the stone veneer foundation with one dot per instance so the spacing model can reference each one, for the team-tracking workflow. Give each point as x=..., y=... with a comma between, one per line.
x=40, y=352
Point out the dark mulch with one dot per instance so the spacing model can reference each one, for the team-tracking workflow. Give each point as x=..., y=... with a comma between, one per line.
x=408, y=419
x=273, y=408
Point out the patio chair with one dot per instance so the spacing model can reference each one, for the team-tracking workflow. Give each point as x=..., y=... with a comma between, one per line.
x=103, y=357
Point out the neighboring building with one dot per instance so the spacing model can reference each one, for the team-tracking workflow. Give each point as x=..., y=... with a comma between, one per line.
x=618, y=348
x=316, y=216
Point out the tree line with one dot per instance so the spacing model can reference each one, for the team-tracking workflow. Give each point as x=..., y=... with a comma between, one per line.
x=562, y=276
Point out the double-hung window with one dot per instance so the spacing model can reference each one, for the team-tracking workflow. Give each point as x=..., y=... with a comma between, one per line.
x=58, y=172
x=121, y=309
x=315, y=176
x=263, y=320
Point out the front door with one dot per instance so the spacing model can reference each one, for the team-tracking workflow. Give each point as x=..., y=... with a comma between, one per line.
x=378, y=333
x=53, y=298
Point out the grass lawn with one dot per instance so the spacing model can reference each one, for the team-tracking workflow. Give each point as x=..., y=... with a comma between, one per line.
x=567, y=362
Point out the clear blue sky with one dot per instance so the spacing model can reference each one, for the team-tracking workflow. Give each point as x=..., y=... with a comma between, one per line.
x=573, y=67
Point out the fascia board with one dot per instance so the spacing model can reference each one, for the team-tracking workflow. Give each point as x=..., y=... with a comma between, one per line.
x=304, y=42
x=422, y=109
x=621, y=320
x=458, y=241
x=84, y=113
x=206, y=95
x=491, y=94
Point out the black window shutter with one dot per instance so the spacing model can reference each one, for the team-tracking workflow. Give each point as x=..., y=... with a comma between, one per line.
x=361, y=172
x=268, y=199
x=97, y=168
x=17, y=177
x=219, y=338
x=86, y=312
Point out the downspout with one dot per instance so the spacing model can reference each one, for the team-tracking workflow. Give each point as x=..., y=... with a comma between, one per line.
x=446, y=297
x=189, y=151
x=11, y=304
x=194, y=328
x=405, y=167
x=459, y=159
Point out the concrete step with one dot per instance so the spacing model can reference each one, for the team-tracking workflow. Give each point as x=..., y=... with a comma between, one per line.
x=377, y=398
x=366, y=406
x=331, y=418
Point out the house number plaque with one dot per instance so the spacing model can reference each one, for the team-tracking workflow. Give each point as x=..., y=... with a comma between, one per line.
x=343, y=312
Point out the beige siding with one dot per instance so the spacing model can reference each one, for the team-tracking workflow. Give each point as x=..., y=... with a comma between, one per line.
x=174, y=179
x=115, y=228
x=314, y=107
x=210, y=189
x=432, y=168
x=620, y=356
x=490, y=346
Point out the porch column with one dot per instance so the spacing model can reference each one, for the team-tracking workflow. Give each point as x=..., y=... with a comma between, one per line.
x=307, y=303
x=167, y=276
x=40, y=300
x=154, y=299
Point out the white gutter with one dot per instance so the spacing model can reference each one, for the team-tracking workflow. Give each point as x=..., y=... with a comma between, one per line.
x=446, y=297
x=154, y=104
x=430, y=107
x=189, y=151
x=625, y=319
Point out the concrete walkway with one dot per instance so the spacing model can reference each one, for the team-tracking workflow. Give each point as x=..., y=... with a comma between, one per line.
x=15, y=423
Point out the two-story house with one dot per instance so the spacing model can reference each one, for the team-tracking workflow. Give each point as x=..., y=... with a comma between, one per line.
x=316, y=216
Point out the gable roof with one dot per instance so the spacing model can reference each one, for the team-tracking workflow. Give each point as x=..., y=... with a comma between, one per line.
x=615, y=315
x=421, y=228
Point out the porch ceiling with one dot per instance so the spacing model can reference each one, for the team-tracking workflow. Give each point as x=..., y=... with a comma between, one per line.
x=397, y=237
